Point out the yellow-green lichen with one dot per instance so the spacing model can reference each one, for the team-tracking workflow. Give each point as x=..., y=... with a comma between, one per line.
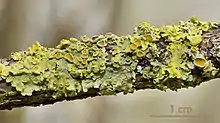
x=133, y=46
x=200, y=61
x=177, y=59
x=85, y=38
x=208, y=67
x=112, y=63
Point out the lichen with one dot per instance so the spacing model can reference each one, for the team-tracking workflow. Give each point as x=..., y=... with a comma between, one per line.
x=112, y=63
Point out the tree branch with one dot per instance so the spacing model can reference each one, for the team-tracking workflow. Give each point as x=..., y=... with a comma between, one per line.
x=176, y=56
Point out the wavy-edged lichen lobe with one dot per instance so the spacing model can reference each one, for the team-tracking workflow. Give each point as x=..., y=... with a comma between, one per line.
x=167, y=57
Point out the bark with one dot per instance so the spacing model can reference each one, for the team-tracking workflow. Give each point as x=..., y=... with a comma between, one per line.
x=12, y=98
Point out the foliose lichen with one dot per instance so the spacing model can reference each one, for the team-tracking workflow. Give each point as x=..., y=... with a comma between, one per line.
x=112, y=63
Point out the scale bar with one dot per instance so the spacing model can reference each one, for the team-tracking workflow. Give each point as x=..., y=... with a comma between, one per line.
x=174, y=116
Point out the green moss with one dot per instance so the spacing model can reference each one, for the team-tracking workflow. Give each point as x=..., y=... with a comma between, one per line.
x=109, y=62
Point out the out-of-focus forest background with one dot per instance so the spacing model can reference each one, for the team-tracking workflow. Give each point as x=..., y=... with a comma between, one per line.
x=23, y=22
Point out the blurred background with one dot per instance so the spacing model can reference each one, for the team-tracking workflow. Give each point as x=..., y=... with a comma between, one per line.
x=22, y=22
